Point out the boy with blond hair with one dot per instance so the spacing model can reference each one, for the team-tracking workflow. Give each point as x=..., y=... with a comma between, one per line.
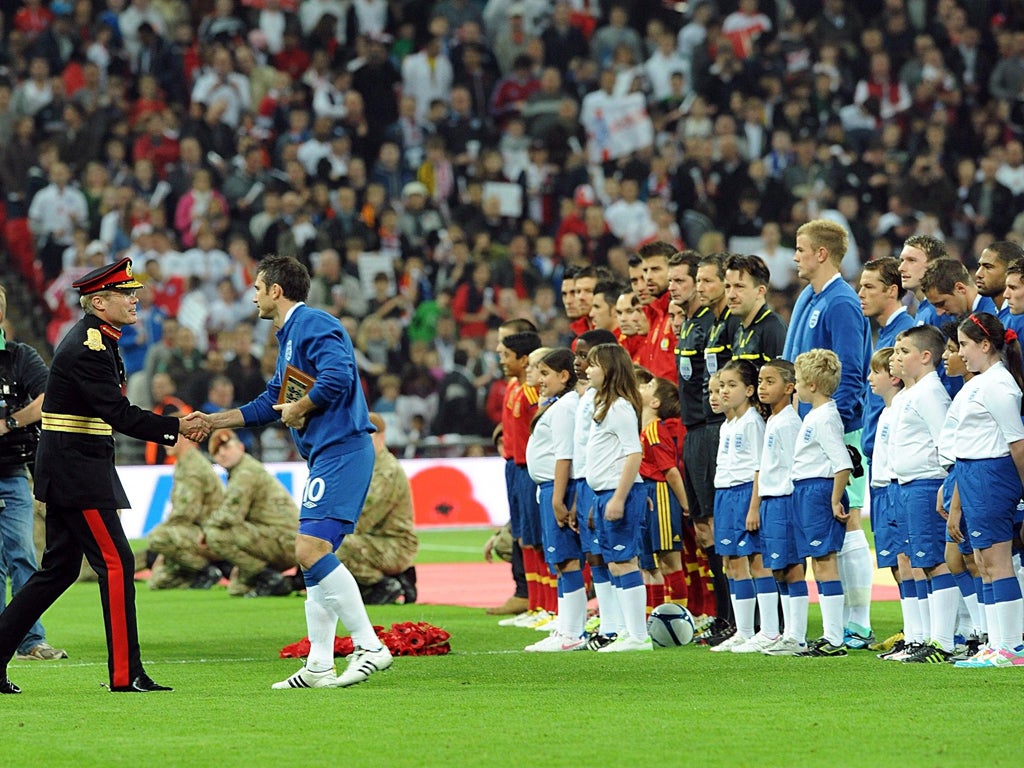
x=821, y=470
x=828, y=315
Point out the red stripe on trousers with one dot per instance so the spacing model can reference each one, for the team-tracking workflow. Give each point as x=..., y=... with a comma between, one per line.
x=115, y=591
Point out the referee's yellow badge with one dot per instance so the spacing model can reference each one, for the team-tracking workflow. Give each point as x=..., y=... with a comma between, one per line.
x=93, y=340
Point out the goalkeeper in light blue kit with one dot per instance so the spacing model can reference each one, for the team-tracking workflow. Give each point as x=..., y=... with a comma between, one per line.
x=331, y=427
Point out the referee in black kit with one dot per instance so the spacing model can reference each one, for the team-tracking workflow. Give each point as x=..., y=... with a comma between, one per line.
x=75, y=475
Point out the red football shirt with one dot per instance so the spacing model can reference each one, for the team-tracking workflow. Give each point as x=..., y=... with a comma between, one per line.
x=524, y=408
x=507, y=421
x=659, y=447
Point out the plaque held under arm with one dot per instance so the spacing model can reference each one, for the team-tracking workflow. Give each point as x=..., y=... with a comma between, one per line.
x=295, y=384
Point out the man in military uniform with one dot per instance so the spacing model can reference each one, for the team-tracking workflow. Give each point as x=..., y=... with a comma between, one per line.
x=381, y=552
x=197, y=492
x=83, y=404
x=254, y=527
x=22, y=381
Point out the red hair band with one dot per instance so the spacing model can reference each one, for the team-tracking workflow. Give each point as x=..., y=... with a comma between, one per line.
x=974, y=319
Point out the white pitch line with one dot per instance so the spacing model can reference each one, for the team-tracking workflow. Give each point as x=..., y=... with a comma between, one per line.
x=57, y=666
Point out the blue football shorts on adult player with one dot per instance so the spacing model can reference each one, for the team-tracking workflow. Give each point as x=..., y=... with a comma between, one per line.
x=335, y=493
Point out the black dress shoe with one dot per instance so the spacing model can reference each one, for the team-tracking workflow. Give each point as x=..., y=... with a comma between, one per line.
x=141, y=684
x=270, y=583
x=6, y=686
x=407, y=579
x=206, y=578
x=384, y=592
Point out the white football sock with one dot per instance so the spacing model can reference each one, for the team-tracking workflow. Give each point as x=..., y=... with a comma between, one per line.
x=559, y=623
x=925, y=609
x=321, y=624
x=832, y=618
x=608, y=608
x=857, y=579
x=845, y=575
x=787, y=609
x=965, y=623
x=994, y=626
x=339, y=593
x=911, y=618
x=1018, y=570
x=1011, y=614
x=974, y=609
x=572, y=613
x=982, y=613
x=744, y=605
x=796, y=626
x=943, y=604
x=768, y=606
x=633, y=601
x=743, y=610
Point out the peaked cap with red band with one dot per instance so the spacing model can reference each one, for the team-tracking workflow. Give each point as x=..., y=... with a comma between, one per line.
x=108, y=278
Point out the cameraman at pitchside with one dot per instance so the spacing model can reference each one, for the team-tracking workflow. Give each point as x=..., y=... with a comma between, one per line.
x=22, y=381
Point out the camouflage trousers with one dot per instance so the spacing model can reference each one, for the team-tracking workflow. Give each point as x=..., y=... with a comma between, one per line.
x=252, y=548
x=166, y=575
x=371, y=558
x=178, y=543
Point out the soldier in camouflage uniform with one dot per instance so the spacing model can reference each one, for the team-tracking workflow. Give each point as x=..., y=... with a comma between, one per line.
x=381, y=552
x=196, y=494
x=255, y=525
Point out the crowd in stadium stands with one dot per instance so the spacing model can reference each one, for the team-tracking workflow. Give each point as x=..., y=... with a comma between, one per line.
x=440, y=166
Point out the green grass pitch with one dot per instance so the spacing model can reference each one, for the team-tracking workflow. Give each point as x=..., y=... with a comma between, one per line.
x=487, y=703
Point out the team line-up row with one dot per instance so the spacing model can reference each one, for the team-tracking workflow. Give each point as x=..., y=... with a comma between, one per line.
x=595, y=445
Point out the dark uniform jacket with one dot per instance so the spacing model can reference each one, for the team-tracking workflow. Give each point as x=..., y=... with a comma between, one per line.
x=764, y=340
x=83, y=404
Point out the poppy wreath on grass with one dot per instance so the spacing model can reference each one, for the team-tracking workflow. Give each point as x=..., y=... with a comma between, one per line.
x=406, y=638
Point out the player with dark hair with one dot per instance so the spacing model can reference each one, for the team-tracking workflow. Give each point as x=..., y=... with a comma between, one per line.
x=1014, y=295
x=518, y=603
x=990, y=276
x=520, y=406
x=658, y=354
x=315, y=391
x=586, y=281
x=578, y=322
x=918, y=252
x=602, y=306
x=949, y=288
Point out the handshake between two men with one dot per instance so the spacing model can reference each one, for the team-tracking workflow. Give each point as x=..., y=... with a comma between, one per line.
x=197, y=426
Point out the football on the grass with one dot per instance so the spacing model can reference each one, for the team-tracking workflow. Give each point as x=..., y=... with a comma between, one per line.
x=503, y=544
x=670, y=625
